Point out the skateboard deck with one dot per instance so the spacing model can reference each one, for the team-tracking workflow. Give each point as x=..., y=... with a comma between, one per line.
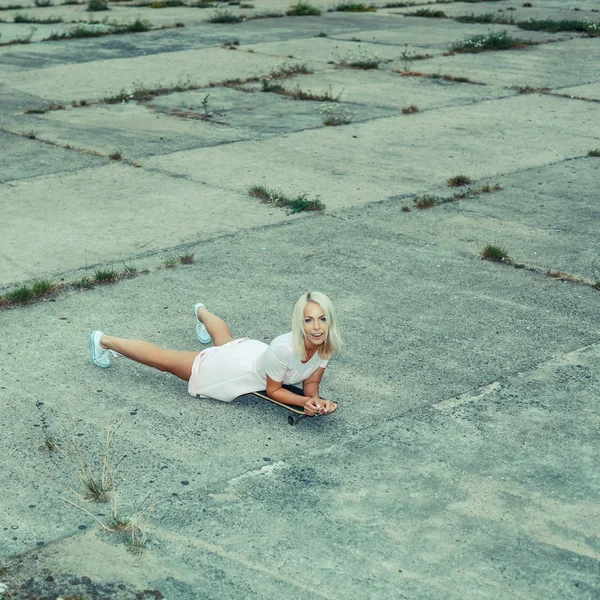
x=297, y=412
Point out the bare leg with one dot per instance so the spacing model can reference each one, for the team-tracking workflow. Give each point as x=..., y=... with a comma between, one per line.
x=218, y=329
x=172, y=361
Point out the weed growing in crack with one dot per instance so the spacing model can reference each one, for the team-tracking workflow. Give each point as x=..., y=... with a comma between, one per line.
x=303, y=9
x=41, y=287
x=335, y=114
x=300, y=203
x=458, y=180
x=171, y=262
x=97, y=5
x=426, y=201
x=427, y=12
x=105, y=276
x=354, y=7
x=407, y=58
x=85, y=283
x=595, y=152
x=223, y=15
x=23, y=18
x=115, y=155
x=186, y=259
x=360, y=60
x=495, y=253
x=410, y=109
x=490, y=42
x=483, y=18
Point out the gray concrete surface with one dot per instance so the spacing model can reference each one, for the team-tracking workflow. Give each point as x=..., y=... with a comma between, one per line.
x=463, y=462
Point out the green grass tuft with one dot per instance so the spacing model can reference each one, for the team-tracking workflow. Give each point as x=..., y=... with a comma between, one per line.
x=427, y=12
x=410, y=109
x=20, y=295
x=171, y=262
x=42, y=287
x=293, y=205
x=105, y=276
x=458, y=180
x=303, y=9
x=222, y=15
x=595, y=152
x=355, y=7
x=490, y=42
x=186, y=259
x=494, y=253
x=85, y=283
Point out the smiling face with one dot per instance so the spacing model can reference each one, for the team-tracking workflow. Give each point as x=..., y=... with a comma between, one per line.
x=315, y=326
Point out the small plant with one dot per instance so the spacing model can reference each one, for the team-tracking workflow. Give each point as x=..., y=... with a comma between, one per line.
x=23, y=18
x=494, y=253
x=595, y=152
x=130, y=271
x=303, y=9
x=334, y=114
x=426, y=12
x=222, y=15
x=186, y=259
x=532, y=90
x=105, y=276
x=97, y=5
x=458, y=180
x=171, y=262
x=424, y=202
x=20, y=295
x=410, y=109
x=42, y=287
x=407, y=58
x=483, y=18
x=360, y=60
x=405, y=209
x=293, y=205
x=484, y=189
x=490, y=42
x=596, y=285
x=42, y=3
x=286, y=69
x=98, y=487
x=85, y=283
x=115, y=155
x=355, y=7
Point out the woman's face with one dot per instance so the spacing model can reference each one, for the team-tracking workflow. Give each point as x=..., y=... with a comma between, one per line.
x=314, y=325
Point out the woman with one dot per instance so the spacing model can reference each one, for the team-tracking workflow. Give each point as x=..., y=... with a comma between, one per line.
x=233, y=367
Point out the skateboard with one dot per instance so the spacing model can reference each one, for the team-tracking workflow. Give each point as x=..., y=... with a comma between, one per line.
x=297, y=413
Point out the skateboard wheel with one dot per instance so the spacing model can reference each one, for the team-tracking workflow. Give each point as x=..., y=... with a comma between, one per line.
x=291, y=420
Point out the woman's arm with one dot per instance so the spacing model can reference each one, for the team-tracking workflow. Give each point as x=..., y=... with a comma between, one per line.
x=312, y=404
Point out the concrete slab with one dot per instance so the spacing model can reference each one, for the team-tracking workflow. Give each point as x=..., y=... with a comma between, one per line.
x=384, y=88
x=438, y=34
x=537, y=66
x=380, y=166
x=16, y=165
x=93, y=81
x=348, y=470
x=114, y=213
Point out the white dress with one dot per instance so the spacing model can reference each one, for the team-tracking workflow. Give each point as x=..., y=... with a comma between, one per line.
x=241, y=366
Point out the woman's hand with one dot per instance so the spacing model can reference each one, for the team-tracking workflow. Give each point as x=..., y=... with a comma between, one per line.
x=317, y=406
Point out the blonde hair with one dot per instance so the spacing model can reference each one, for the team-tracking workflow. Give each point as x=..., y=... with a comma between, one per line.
x=333, y=343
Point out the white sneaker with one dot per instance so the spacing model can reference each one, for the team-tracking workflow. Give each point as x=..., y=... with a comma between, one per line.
x=99, y=355
x=202, y=334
